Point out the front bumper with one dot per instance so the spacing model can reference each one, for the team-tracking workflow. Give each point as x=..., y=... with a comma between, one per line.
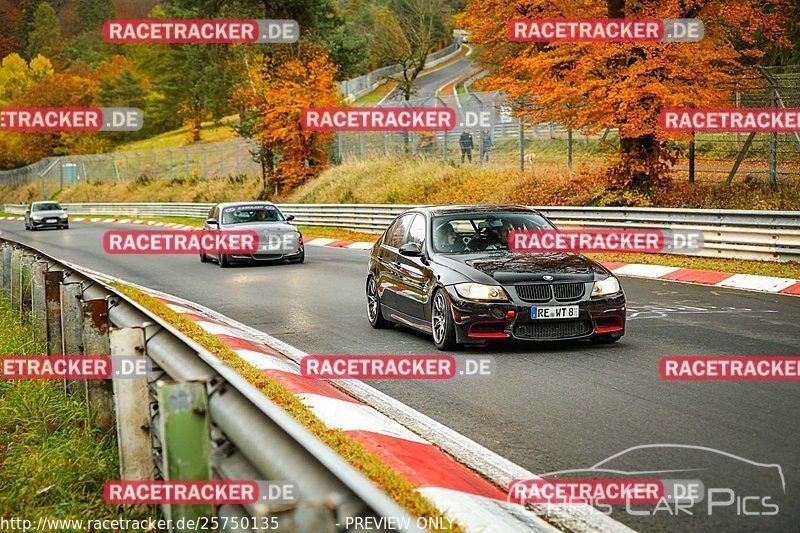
x=477, y=322
x=50, y=223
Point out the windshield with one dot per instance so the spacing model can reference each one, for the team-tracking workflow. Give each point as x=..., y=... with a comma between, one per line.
x=49, y=206
x=248, y=214
x=478, y=232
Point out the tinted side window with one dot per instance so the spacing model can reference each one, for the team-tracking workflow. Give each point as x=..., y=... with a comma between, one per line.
x=396, y=235
x=416, y=233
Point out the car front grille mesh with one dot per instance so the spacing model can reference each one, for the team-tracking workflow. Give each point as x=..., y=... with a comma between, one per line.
x=568, y=291
x=542, y=292
x=551, y=330
x=534, y=293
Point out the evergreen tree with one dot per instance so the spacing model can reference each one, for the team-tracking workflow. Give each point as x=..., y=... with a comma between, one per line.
x=45, y=33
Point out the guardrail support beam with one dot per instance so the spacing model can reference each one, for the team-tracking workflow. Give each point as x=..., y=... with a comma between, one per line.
x=95, y=340
x=37, y=299
x=5, y=269
x=185, y=440
x=132, y=407
x=14, y=289
x=52, y=309
x=71, y=331
x=25, y=272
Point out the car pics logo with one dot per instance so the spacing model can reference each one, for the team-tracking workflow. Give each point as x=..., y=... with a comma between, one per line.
x=674, y=496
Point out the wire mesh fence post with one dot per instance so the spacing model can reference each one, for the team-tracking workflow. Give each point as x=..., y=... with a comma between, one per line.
x=521, y=140
x=691, y=159
x=361, y=145
x=205, y=161
x=773, y=147
x=569, y=149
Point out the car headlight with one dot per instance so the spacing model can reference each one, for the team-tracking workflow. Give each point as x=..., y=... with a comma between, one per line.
x=37, y=219
x=63, y=216
x=477, y=291
x=604, y=287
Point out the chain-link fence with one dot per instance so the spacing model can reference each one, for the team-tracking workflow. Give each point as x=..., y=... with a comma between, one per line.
x=206, y=160
x=487, y=134
x=769, y=157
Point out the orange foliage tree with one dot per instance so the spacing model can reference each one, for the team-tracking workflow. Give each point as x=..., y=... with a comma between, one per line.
x=594, y=86
x=279, y=87
x=71, y=88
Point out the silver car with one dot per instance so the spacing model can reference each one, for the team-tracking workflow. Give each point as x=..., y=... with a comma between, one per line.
x=46, y=215
x=278, y=240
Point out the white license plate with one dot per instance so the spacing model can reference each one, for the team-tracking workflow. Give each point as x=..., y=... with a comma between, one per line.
x=51, y=220
x=561, y=311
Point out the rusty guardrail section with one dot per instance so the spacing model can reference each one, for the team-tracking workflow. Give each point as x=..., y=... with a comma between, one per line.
x=243, y=435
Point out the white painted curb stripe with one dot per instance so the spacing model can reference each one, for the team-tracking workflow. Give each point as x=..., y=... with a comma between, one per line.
x=320, y=242
x=484, y=514
x=350, y=416
x=758, y=283
x=360, y=245
x=644, y=271
x=263, y=361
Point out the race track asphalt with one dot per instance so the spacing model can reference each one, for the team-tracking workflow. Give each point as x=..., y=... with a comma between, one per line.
x=550, y=406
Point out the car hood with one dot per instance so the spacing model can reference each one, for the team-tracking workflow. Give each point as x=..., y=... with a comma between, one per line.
x=508, y=268
x=52, y=213
x=271, y=227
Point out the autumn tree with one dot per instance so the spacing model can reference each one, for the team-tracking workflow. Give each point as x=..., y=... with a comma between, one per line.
x=17, y=75
x=594, y=86
x=406, y=31
x=280, y=86
x=45, y=33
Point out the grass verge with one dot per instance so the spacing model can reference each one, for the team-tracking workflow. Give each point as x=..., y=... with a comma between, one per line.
x=54, y=464
x=400, y=490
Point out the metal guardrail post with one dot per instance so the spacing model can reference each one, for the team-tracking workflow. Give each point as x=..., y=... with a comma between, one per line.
x=52, y=303
x=132, y=406
x=71, y=331
x=14, y=289
x=95, y=340
x=184, y=429
x=25, y=270
x=5, y=269
x=37, y=298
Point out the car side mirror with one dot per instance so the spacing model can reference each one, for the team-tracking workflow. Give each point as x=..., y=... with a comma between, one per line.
x=212, y=222
x=64, y=209
x=27, y=211
x=410, y=249
x=289, y=218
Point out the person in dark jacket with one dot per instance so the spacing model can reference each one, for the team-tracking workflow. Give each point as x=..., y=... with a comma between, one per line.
x=466, y=144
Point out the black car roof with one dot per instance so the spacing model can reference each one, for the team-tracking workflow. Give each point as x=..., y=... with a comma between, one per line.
x=453, y=209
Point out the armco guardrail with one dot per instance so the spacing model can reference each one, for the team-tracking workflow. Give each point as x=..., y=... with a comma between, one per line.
x=239, y=432
x=738, y=234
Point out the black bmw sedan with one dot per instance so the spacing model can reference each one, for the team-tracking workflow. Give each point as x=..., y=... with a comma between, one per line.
x=448, y=271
